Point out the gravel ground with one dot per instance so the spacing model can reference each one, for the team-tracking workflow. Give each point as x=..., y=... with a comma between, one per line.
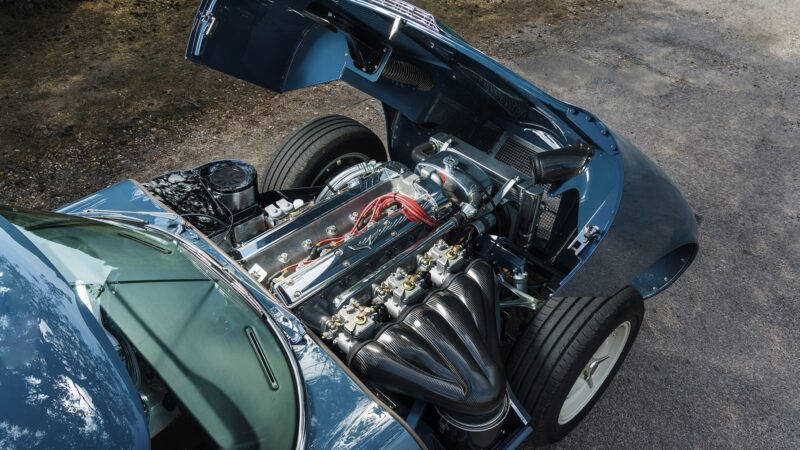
x=707, y=88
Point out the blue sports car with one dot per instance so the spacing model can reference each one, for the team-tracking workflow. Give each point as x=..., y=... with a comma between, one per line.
x=475, y=283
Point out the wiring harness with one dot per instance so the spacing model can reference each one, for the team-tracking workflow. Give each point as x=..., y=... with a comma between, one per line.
x=371, y=214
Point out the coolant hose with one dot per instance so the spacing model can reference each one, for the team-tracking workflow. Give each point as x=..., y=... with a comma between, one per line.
x=560, y=165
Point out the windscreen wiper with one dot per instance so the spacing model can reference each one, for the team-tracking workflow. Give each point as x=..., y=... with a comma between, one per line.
x=124, y=213
x=120, y=218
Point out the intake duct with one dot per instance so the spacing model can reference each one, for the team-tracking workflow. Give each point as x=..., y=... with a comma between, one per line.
x=560, y=165
x=445, y=351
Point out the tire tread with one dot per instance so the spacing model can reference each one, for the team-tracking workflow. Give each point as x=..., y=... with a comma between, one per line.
x=549, y=350
x=301, y=150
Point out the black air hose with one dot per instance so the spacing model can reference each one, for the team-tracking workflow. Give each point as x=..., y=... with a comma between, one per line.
x=423, y=151
x=560, y=165
x=409, y=74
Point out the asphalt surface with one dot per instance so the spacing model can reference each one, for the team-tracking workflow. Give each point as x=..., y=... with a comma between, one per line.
x=708, y=88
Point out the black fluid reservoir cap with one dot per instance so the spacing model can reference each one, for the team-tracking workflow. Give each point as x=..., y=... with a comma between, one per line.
x=230, y=176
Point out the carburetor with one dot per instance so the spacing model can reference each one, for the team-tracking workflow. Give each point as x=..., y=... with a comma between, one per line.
x=390, y=298
x=442, y=260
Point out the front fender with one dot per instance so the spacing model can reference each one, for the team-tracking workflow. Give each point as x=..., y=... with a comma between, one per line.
x=652, y=240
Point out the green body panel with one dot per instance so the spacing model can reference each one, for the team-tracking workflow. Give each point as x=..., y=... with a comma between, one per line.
x=210, y=347
x=194, y=332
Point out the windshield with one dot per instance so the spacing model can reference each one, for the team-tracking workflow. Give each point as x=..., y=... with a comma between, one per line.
x=218, y=357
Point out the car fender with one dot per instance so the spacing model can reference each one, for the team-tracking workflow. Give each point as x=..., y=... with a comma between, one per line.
x=652, y=240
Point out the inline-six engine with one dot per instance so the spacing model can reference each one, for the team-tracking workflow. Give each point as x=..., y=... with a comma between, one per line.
x=379, y=268
x=382, y=264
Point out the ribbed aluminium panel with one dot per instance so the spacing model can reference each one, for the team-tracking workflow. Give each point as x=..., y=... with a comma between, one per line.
x=516, y=154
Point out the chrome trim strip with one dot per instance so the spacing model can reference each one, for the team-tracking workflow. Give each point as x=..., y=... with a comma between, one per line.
x=519, y=410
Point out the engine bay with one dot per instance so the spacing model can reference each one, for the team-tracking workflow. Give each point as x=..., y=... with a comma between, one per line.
x=403, y=272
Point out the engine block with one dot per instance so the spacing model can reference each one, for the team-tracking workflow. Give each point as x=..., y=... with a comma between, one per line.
x=383, y=264
x=303, y=267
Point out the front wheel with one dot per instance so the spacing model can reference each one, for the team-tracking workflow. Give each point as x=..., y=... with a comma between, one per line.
x=568, y=355
x=319, y=150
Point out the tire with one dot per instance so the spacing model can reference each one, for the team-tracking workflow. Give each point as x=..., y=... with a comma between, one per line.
x=552, y=355
x=319, y=150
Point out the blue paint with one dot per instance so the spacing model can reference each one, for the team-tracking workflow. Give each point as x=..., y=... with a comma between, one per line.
x=415, y=414
x=63, y=384
x=652, y=220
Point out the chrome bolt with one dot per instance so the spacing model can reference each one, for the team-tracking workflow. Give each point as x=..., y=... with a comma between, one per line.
x=450, y=163
x=308, y=245
x=284, y=258
x=338, y=252
x=331, y=230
